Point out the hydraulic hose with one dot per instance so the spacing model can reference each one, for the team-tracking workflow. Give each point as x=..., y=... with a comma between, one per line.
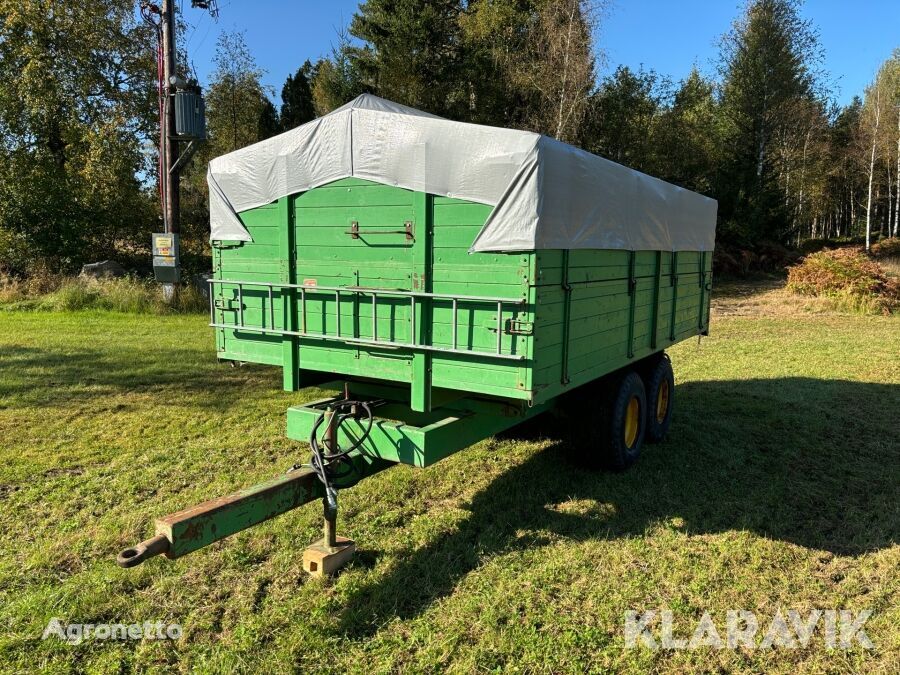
x=327, y=461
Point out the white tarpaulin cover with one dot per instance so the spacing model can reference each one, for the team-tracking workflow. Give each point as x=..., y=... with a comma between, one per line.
x=546, y=194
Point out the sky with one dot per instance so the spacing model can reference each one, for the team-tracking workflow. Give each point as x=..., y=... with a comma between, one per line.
x=667, y=36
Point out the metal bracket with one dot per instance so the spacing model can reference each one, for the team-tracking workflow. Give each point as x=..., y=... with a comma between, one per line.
x=632, y=294
x=567, y=312
x=184, y=157
x=225, y=244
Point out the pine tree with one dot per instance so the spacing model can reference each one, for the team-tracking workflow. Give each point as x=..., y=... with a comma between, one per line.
x=768, y=64
x=411, y=53
x=269, y=123
x=297, y=98
x=687, y=137
x=337, y=79
x=622, y=115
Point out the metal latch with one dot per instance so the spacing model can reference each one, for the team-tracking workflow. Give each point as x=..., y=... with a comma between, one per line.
x=519, y=327
x=225, y=305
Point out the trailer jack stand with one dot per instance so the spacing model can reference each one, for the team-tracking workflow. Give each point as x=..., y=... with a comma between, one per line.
x=327, y=555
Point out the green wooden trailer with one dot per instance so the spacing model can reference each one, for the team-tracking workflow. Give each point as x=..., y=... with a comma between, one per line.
x=372, y=288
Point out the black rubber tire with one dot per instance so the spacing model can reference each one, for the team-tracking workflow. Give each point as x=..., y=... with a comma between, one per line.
x=660, y=383
x=617, y=455
x=593, y=422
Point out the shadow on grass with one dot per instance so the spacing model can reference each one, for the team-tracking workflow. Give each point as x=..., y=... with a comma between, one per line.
x=811, y=462
x=35, y=376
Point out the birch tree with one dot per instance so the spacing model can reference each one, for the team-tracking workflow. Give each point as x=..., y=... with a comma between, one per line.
x=873, y=113
x=239, y=110
x=531, y=63
x=897, y=173
x=558, y=65
x=882, y=104
x=239, y=113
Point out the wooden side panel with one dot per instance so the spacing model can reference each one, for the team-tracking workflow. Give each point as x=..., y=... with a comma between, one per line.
x=502, y=275
x=601, y=310
x=259, y=261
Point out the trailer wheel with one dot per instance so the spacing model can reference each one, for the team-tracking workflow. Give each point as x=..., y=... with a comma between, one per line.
x=660, y=396
x=625, y=423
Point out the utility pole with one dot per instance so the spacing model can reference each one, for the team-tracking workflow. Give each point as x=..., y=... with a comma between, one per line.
x=170, y=177
x=182, y=118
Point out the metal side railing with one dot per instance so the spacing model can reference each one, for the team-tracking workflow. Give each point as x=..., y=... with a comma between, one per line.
x=337, y=291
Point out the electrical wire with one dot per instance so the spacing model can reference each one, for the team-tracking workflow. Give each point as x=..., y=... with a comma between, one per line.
x=148, y=9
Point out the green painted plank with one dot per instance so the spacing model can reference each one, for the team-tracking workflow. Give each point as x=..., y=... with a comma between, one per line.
x=462, y=216
x=354, y=196
x=319, y=221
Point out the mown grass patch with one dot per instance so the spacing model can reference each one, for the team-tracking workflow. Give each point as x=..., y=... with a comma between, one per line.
x=776, y=488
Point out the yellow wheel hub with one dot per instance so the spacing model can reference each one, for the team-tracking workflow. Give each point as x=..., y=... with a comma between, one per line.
x=632, y=421
x=662, y=402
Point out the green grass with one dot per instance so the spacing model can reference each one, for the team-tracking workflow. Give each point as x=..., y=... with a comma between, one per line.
x=776, y=488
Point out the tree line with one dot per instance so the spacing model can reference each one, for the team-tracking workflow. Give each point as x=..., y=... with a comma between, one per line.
x=762, y=135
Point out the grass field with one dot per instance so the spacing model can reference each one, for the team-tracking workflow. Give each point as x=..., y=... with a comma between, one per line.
x=777, y=488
